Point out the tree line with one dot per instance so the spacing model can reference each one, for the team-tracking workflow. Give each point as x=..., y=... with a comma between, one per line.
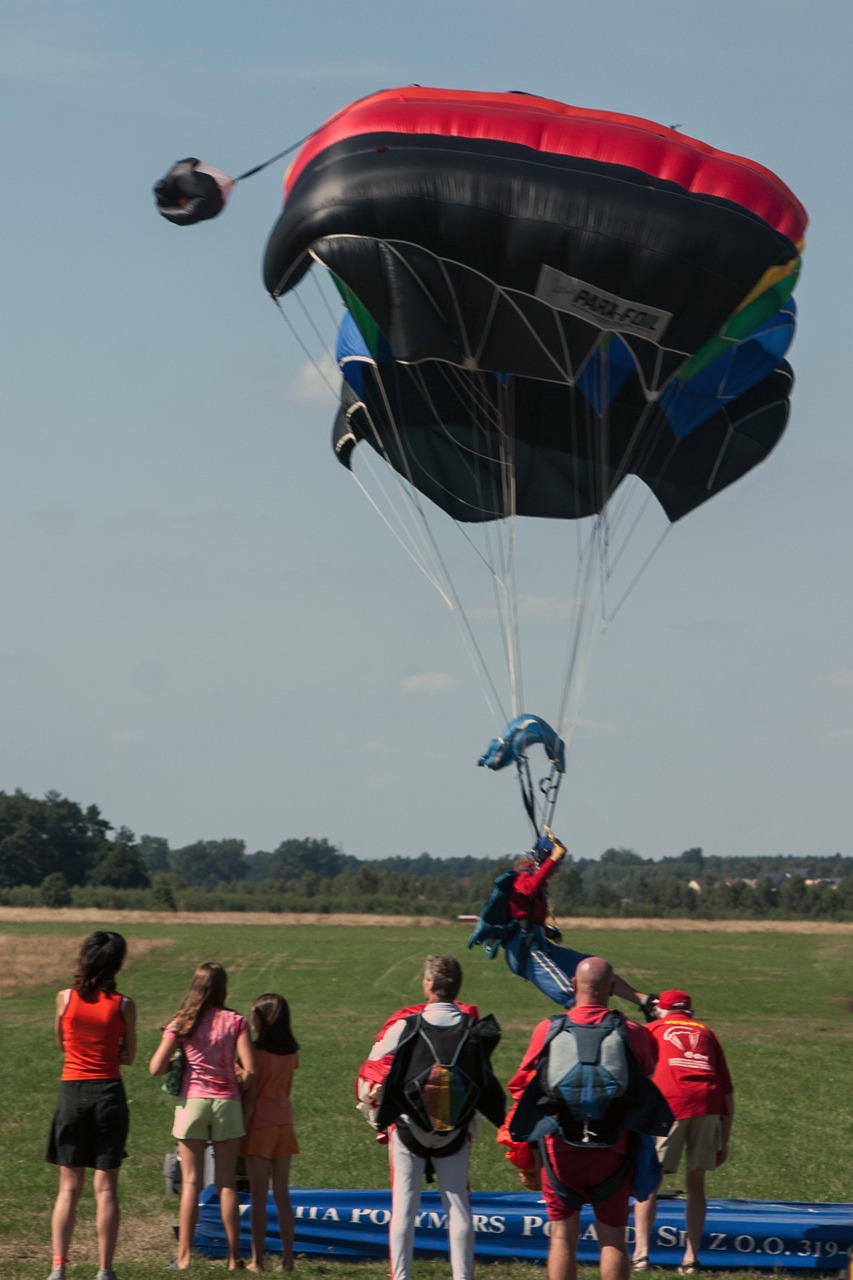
x=55, y=853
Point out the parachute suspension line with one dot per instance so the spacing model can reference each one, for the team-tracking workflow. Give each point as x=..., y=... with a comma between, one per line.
x=504, y=584
x=397, y=535
x=576, y=669
x=528, y=796
x=591, y=567
x=446, y=592
x=496, y=559
x=549, y=788
x=510, y=566
x=643, y=507
x=316, y=364
x=491, y=411
x=723, y=447
x=449, y=594
x=639, y=457
x=429, y=550
x=318, y=332
x=334, y=313
x=642, y=569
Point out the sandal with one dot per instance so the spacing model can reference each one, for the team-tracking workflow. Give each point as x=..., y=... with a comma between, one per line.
x=640, y=1264
x=689, y=1269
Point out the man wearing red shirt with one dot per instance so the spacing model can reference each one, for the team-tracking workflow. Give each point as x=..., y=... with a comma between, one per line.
x=581, y=1170
x=693, y=1076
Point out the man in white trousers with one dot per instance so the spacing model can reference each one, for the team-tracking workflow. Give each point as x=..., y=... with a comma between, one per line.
x=426, y=1035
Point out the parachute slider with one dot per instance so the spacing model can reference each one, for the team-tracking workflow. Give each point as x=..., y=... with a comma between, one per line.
x=519, y=734
x=192, y=191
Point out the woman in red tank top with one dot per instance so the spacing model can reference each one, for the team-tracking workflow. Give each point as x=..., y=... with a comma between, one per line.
x=96, y=1031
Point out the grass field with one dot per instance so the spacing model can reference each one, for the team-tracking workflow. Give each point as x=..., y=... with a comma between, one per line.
x=778, y=1000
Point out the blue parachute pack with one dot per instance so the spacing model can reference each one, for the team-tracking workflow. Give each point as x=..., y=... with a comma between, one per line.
x=495, y=923
x=588, y=1088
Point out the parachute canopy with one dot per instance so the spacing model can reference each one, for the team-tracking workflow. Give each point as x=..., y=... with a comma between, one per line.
x=582, y=289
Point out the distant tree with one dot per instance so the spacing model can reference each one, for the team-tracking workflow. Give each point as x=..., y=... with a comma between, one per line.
x=367, y=881
x=566, y=888
x=765, y=895
x=154, y=851
x=793, y=896
x=209, y=863
x=308, y=884
x=162, y=897
x=293, y=858
x=119, y=863
x=602, y=897
x=689, y=865
x=54, y=890
x=742, y=898
x=670, y=894
x=258, y=867
x=845, y=893
x=38, y=837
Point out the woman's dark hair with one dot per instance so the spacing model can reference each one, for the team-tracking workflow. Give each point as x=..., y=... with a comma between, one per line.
x=208, y=990
x=271, y=1016
x=99, y=960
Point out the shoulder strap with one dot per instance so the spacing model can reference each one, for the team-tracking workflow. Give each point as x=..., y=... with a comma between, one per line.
x=559, y=1022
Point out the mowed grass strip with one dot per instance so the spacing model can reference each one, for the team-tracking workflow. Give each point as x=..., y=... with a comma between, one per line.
x=778, y=1001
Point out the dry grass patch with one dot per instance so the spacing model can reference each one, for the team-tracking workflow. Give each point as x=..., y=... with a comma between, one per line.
x=140, y=1238
x=95, y=916
x=27, y=964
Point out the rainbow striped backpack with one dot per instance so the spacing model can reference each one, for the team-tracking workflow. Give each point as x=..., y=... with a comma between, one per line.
x=440, y=1093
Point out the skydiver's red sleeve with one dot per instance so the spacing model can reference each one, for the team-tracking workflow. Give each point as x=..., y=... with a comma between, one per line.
x=528, y=888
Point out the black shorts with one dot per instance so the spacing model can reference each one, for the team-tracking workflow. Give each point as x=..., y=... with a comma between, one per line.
x=90, y=1125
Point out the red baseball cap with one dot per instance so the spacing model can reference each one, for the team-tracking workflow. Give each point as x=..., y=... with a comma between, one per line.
x=675, y=1000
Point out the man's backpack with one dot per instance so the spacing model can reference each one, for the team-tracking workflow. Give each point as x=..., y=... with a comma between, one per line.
x=585, y=1077
x=588, y=1088
x=441, y=1076
x=440, y=1094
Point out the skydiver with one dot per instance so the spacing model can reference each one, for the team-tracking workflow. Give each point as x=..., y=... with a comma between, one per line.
x=530, y=937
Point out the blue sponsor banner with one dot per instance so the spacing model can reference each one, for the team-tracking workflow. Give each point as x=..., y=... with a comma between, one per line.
x=738, y=1233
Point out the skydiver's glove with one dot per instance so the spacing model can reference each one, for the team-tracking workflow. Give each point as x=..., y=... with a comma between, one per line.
x=558, y=849
x=649, y=1007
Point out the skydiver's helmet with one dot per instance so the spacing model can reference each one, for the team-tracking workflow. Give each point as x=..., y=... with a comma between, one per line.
x=541, y=849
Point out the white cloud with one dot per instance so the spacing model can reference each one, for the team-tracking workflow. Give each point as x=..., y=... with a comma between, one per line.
x=315, y=384
x=427, y=682
x=842, y=679
x=38, y=63
x=604, y=727
x=127, y=738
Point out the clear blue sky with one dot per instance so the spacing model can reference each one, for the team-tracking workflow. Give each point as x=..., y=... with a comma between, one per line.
x=206, y=631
